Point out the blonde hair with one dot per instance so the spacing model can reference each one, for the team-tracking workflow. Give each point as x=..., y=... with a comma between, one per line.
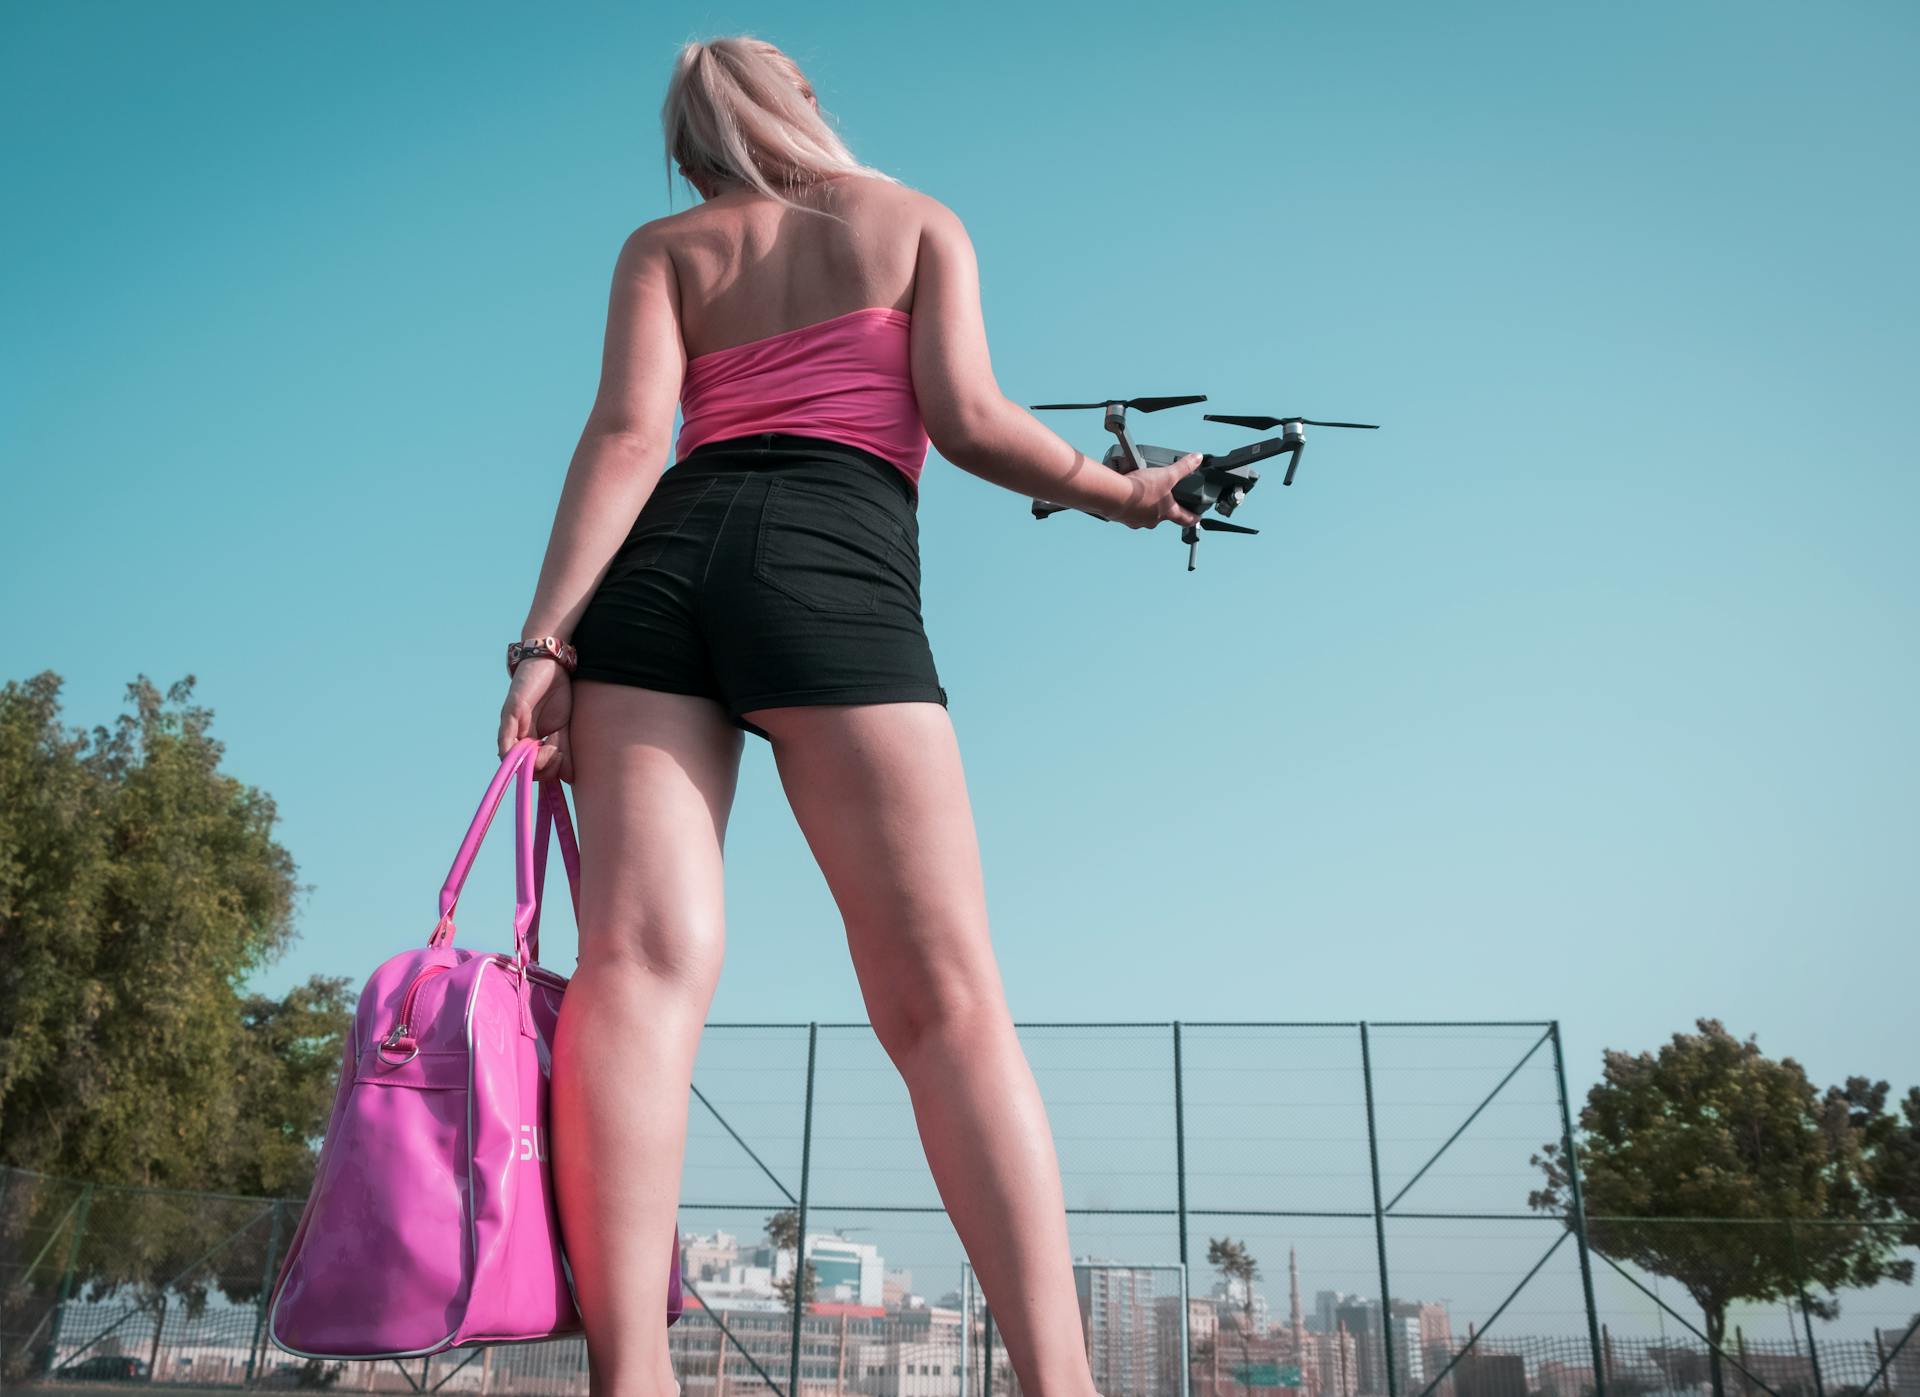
x=737, y=108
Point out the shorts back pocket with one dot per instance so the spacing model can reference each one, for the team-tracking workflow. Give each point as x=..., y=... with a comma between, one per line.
x=828, y=551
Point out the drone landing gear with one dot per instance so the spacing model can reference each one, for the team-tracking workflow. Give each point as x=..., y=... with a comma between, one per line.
x=1190, y=535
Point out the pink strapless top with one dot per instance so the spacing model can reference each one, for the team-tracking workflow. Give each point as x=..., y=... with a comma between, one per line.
x=845, y=379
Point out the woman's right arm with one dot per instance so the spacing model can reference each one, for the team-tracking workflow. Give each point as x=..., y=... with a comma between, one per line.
x=973, y=424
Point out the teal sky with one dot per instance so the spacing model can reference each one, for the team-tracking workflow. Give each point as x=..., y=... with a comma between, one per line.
x=1575, y=691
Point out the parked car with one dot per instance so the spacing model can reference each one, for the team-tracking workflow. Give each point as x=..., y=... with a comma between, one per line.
x=108, y=1367
x=311, y=1374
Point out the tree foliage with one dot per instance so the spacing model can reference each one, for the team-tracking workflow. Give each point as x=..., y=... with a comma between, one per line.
x=140, y=886
x=1240, y=1269
x=1730, y=1172
x=783, y=1234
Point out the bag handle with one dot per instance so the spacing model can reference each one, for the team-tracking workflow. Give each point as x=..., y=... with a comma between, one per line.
x=529, y=865
x=553, y=817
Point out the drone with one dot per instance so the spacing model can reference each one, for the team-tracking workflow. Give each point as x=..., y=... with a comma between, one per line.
x=1219, y=483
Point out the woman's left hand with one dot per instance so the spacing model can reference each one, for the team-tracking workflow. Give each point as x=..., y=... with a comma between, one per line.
x=539, y=704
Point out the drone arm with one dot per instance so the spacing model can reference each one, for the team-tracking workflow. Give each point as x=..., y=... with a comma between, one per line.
x=1117, y=424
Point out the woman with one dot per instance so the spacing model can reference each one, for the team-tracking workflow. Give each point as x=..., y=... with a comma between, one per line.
x=819, y=323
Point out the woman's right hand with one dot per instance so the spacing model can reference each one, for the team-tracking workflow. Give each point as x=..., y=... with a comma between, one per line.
x=1153, y=500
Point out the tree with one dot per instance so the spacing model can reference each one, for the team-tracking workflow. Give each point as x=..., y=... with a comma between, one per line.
x=1236, y=1265
x=1893, y=1146
x=139, y=887
x=1711, y=1128
x=783, y=1234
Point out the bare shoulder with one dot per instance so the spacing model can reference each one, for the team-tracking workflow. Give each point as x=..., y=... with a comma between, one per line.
x=939, y=231
x=672, y=238
x=883, y=203
x=915, y=207
x=662, y=230
x=932, y=212
x=652, y=240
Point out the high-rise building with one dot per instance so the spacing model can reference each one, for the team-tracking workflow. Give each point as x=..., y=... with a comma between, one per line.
x=1435, y=1342
x=1326, y=1310
x=1409, y=1362
x=1201, y=1316
x=1336, y=1364
x=1361, y=1319
x=1118, y=1317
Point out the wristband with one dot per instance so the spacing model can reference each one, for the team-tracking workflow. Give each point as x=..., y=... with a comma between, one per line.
x=550, y=646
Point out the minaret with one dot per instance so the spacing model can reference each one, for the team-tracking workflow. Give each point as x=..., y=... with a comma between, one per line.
x=1299, y=1324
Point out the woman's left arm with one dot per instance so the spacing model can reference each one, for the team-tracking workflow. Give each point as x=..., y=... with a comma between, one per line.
x=624, y=447
x=621, y=454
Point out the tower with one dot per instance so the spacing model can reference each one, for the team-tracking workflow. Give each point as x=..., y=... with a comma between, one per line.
x=1298, y=1320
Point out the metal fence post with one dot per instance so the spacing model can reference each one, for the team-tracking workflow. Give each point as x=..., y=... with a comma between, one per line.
x=1180, y=1140
x=1186, y=1348
x=1577, y=1201
x=258, y=1349
x=66, y=1279
x=1379, y=1214
x=986, y=1366
x=800, y=1222
x=159, y=1331
x=1180, y=1177
x=1806, y=1315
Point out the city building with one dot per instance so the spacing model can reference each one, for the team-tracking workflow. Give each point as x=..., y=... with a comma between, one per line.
x=1202, y=1315
x=1361, y=1319
x=847, y=1271
x=896, y=1289
x=1326, y=1309
x=1336, y=1364
x=708, y=1255
x=1231, y=1296
x=1117, y=1315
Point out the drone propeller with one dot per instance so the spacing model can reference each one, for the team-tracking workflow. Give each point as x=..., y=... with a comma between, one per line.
x=1261, y=424
x=1136, y=404
x=1223, y=524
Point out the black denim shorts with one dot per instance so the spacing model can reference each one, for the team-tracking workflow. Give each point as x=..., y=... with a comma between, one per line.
x=764, y=571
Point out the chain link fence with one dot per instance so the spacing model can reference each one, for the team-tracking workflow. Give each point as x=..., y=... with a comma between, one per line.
x=1313, y=1210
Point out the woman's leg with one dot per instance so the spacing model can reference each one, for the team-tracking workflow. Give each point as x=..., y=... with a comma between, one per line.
x=879, y=793
x=653, y=785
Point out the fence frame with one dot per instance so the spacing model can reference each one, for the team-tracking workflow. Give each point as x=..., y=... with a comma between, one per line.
x=1181, y=1212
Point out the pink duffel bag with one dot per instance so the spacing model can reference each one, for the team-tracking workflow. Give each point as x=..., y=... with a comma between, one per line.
x=431, y=1223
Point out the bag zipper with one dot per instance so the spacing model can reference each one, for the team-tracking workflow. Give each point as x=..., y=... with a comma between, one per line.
x=402, y=1035
x=402, y=1039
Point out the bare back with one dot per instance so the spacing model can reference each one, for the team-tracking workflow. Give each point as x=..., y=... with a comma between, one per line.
x=748, y=267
